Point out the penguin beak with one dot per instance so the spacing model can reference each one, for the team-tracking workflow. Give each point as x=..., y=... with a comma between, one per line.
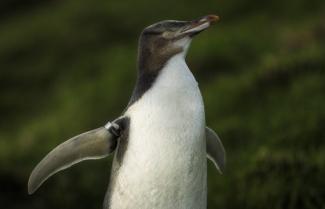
x=196, y=26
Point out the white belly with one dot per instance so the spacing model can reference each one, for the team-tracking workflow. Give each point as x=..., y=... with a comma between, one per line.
x=164, y=165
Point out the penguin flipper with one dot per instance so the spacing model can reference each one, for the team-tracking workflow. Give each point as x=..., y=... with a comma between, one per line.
x=94, y=144
x=215, y=150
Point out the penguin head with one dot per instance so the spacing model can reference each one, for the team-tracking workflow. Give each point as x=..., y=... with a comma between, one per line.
x=170, y=37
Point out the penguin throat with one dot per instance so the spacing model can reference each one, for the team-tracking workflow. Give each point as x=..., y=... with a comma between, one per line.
x=149, y=66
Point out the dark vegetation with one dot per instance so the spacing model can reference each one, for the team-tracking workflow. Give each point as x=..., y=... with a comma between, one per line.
x=69, y=66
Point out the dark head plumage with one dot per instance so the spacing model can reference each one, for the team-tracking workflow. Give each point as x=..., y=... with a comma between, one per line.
x=161, y=41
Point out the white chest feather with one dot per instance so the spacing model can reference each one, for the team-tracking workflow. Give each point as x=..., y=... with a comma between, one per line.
x=164, y=165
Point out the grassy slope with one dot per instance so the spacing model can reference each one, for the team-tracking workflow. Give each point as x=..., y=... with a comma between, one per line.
x=65, y=68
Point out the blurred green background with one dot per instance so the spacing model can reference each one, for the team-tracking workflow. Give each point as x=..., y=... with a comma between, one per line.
x=69, y=66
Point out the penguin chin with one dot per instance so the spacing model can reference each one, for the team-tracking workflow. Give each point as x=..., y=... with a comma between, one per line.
x=183, y=43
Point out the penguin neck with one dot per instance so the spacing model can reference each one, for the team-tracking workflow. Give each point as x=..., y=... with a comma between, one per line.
x=149, y=67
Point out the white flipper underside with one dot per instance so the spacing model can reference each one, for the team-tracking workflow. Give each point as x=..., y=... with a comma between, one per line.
x=94, y=144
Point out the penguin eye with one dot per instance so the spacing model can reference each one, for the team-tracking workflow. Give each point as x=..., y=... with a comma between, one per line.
x=152, y=32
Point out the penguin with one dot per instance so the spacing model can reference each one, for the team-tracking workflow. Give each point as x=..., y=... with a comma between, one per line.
x=160, y=142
